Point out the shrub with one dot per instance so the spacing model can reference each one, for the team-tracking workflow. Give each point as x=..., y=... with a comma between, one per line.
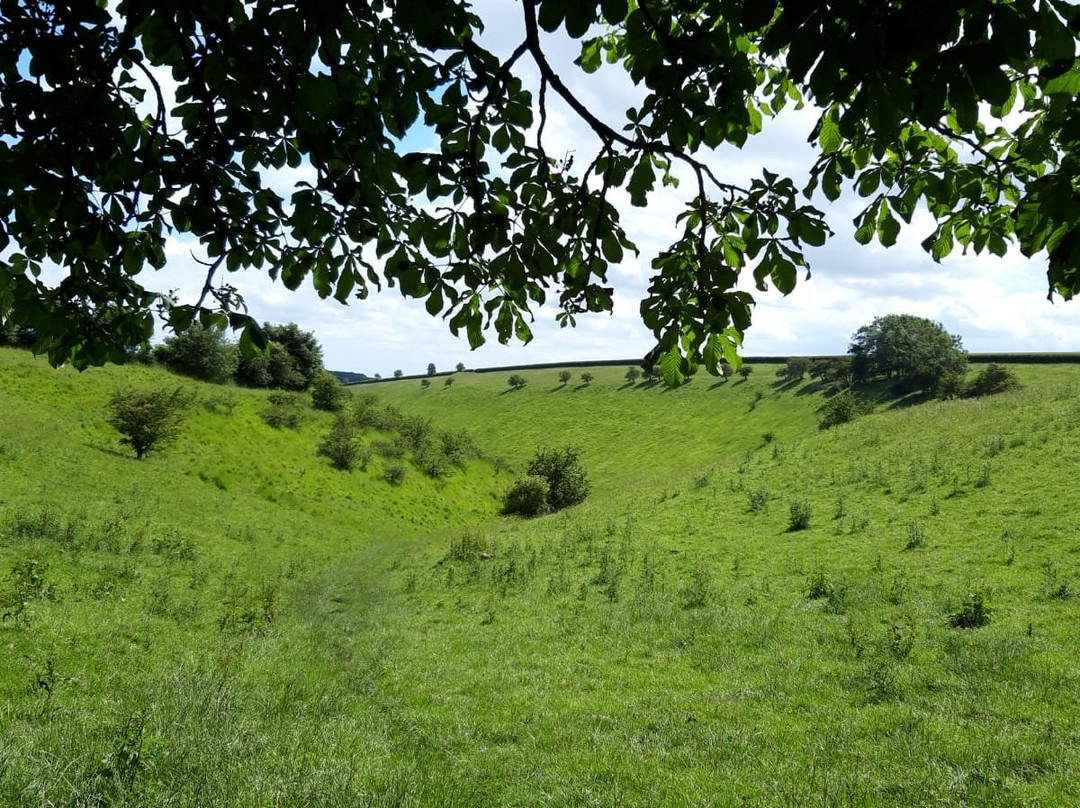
x=398, y=374
x=394, y=473
x=564, y=376
x=528, y=496
x=992, y=379
x=516, y=381
x=425, y=383
x=147, y=419
x=586, y=378
x=201, y=353
x=799, y=515
x=566, y=479
x=339, y=445
x=448, y=382
x=758, y=500
x=283, y=411
x=975, y=611
x=951, y=385
x=842, y=408
x=460, y=367
x=745, y=370
x=327, y=393
x=632, y=375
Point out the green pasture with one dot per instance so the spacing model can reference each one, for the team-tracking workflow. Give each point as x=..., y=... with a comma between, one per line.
x=231, y=622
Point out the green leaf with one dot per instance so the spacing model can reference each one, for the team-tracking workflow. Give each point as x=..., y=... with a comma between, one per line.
x=829, y=137
x=888, y=228
x=866, y=227
x=641, y=183
x=614, y=11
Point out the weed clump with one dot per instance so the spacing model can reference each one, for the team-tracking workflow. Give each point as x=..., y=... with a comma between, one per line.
x=974, y=612
x=799, y=515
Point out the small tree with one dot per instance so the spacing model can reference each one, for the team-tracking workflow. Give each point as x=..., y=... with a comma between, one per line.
x=746, y=370
x=425, y=383
x=517, y=381
x=147, y=419
x=449, y=381
x=632, y=375
x=795, y=369
x=327, y=393
x=460, y=367
x=586, y=378
x=398, y=374
x=340, y=446
x=431, y=369
x=564, y=376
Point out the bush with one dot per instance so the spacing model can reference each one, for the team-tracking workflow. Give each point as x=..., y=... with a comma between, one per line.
x=799, y=515
x=201, y=353
x=449, y=381
x=567, y=481
x=528, y=496
x=327, y=393
x=147, y=419
x=632, y=375
x=564, y=376
x=586, y=378
x=974, y=612
x=283, y=411
x=745, y=370
x=992, y=379
x=394, y=473
x=951, y=385
x=842, y=408
x=425, y=383
x=340, y=446
x=516, y=381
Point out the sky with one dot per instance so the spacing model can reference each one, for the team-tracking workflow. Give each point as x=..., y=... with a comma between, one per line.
x=993, y=304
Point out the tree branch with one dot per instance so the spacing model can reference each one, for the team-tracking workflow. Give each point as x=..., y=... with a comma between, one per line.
x=608, y=135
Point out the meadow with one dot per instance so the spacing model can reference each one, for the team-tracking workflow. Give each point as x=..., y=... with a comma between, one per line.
x=746, y=611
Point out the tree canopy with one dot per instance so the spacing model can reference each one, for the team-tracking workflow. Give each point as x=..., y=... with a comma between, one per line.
x=123, y=124
x=916, y=351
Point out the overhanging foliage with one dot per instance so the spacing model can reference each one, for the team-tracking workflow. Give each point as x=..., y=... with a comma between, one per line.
x=967, y=108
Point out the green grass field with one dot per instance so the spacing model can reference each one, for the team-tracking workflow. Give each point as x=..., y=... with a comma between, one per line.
x=231, y=622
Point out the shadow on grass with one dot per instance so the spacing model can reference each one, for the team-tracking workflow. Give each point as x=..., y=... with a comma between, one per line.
x=128, y=455
x=783, y=385
x=557, y=388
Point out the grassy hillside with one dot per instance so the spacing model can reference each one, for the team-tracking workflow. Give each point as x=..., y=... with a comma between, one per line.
x=230, y=622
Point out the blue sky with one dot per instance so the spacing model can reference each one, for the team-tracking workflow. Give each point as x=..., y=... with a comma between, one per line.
x=993, y=304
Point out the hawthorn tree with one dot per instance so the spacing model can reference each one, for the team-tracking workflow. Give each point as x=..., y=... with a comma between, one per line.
x=967, y=109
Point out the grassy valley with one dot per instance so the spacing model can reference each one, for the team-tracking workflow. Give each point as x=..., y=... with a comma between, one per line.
x=232, y=622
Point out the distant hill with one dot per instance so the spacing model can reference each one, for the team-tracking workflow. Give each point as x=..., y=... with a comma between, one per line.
x=348, y=377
